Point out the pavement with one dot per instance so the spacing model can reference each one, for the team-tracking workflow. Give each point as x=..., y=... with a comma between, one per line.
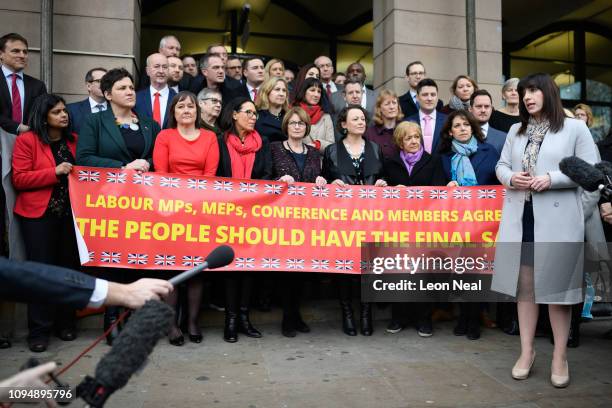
x=326, y=368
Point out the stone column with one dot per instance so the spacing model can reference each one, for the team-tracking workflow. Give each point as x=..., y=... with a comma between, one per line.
x=434, y=32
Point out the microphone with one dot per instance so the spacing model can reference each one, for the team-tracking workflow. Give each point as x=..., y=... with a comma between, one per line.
x=129, y=353
x=220, y=256
x=584, y=174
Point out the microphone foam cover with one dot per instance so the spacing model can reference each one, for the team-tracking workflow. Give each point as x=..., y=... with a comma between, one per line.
x=220, y=256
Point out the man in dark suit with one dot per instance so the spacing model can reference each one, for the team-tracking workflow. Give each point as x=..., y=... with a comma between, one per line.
x=481, y=106
x=430, y=120
x=169, y=46
x=94, y=103
x=356, y=72
x=17, y=90
x=154, y=101
x=178, y=80
x=213, y=77
x=326, y=67
x=253, y=71
x=415, y=71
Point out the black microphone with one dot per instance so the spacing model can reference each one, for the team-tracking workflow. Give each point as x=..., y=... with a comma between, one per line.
x=220, y=256
x=582, y=173
x=606, y=168
x=129, y=353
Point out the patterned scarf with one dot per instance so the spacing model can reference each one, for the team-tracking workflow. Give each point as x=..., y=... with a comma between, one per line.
x=461, y=166
x=535, y=132
x=458, y=104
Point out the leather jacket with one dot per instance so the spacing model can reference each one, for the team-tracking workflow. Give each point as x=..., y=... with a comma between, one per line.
x=337, y=164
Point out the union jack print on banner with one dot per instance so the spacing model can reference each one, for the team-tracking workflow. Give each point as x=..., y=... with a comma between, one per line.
x=295, y=263
x=245, y=263
x=110, y=257
x=391, y=193
x=296, y=190
x=487, y=193
x=222, y=185
x=366, y=266
x=165, y=260
x=172, y=182
x=415, y=194
x=92, y=255
x=192, y=260
x=344, y=193
x=344, y=264
x=273, y=189
x=246, y=187
x=273, y=263
x=462, y=194
x=322, y=264
x=89, y=175
x=320, y=191
x=117, y=178
x=196, y=184
x=143, y=179
x=438, y=194
x=138, y=259
x=367, y=193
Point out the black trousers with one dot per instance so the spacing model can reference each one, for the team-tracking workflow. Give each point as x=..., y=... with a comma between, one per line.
x=291, y=284
x=238, y=288
x=50, y=240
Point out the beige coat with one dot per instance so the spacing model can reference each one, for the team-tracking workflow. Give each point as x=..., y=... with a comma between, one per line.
x=323, y=131
x=559, y=228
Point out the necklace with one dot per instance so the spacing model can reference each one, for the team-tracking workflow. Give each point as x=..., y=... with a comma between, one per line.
x=133, y=125
x=291, y=150
x=346, y=146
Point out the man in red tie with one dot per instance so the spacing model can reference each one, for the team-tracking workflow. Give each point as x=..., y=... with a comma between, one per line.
x=155, y=100
x=253, y=71
x=17, y=93
x=326, y=67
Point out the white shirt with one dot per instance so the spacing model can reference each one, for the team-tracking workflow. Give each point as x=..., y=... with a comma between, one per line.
x=413, y=96
x=163, y=101
x=175, y=87
x=485, y=129
x=99, y=294
x=364, y=101
x=250, y=89
x=94, y=105
x=332, y=86
x=9, y=83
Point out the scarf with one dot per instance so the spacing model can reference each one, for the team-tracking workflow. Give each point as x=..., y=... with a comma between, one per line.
x=535, y=133
x=410, y=159
x=315, y=112
x=458, y=104
x=461, y=166
x=242, y=155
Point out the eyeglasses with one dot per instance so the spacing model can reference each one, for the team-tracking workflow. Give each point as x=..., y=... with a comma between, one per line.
x=214, y=101
x=250, y=113
x=94, y=81
x=420, y=73
x=297, y=123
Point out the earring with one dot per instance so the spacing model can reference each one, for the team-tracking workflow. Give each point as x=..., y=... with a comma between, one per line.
x=344, y=131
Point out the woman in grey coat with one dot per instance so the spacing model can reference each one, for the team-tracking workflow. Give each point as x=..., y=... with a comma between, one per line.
x=543, y=209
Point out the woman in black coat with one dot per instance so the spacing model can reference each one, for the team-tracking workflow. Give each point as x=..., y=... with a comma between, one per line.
x=293, y=160
x=249, y=158
x=355, y=161
x=412, y=166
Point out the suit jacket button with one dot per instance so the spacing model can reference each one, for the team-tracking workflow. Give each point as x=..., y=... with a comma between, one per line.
x=556, y=204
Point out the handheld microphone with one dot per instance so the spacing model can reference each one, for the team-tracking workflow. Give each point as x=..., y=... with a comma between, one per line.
x=219, y=257
x=582, y=173
x=129, y=353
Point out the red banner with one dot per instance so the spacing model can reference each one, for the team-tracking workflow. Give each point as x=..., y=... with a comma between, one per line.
x=168, y=221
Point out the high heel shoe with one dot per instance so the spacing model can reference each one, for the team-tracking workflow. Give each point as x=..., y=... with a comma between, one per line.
x=230, y=332
x=177, y=341
x=560, y=381
x=348, y=324
x=366, y=319
x=195, y=338
x=522, y=373
x=245, y=326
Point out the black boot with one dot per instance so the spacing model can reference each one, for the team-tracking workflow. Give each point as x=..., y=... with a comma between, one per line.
x=230, y=332
x=245, y=325
x=111, y=315
x=4, y=343
x=288, y=326
x=348, y=324
x=461, y=328
x=366, y=319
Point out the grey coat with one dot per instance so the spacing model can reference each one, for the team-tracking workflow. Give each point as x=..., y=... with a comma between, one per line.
x=559, y=228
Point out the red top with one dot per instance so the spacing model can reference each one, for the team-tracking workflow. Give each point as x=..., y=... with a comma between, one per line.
x=175, y=154
x=34, y=174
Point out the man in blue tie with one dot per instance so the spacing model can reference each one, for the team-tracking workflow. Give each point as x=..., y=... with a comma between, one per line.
x=94, y=103
x=415, y=71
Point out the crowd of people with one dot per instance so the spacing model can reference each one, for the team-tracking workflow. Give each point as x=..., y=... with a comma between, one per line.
x=249, y=118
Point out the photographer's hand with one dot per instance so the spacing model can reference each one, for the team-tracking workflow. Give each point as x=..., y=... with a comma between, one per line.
x=606, y=212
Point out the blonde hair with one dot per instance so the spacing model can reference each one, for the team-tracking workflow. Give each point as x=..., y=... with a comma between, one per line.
x=269, y=66
x=402, y=129
x=262, y=101
x=589, y=112
x=382, y=96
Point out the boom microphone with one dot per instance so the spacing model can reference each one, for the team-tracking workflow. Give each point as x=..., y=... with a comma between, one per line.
x=129, y=353
x=583, y=173
x=220, y=256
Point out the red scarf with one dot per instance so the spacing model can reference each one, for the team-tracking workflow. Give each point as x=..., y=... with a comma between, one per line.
x=315, y=112
x=242, y=154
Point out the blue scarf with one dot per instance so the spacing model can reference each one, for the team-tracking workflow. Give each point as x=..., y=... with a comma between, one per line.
x=461, y=167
